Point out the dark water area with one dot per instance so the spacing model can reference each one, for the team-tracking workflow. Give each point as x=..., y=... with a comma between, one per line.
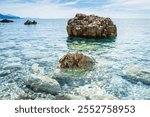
x=122, y=69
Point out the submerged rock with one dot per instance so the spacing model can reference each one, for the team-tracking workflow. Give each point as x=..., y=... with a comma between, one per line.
x=6, y=21
x=4, y=73
x=11, y=91
x=40, y=83
x=37, y=69
x=76, y=60
x=93, y=92
x=10, y=66
x=91, y=26
x=136, y=73
x=28, y=22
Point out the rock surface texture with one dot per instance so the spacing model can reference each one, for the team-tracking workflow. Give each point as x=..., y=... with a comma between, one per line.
x=76, y=60
x=40, y=83
x=28, y=22
x=91, y=26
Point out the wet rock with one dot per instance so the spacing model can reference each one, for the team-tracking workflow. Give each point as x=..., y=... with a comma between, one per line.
x=6, y=21
x=28, y=22
x=91, y=26
x=136, y=73
x=40, y=83
x=11, y=91
x=37, y=69
x=76, y=60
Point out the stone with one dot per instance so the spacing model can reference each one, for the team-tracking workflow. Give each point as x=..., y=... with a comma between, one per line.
x=28, y=22
x=4, y=73
x=6, y=21
x=93, y=92
x=41, y=83
x=137, y=73
x=10, y=91
x=91, y=26
x=37, y=69
x=76, y=60
x=10, y=66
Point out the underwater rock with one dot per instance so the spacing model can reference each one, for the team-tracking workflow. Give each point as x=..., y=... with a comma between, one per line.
x=11, y=91
x=91, y=26
x=37, y=69
x=4, y=73
x=76, y=60
x=40, y=83
x=28, y=22
x=10, y=66
x=136, y=73
x=6, y=21
x=93, y=92
x=71, y=77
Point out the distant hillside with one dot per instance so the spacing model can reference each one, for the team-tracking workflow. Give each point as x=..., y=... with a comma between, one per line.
x=8, y=17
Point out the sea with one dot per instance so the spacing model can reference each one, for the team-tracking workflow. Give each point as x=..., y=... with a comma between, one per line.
x=122, y=69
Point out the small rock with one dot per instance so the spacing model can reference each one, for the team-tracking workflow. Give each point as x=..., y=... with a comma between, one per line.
x=11, y=91
x=10, y=66
x=28, y=22
x=4, y=73
x=6, y=21
x=93, y=92
x=136, y=73
x=40, y=83
x=76, y=60
x=35, y=68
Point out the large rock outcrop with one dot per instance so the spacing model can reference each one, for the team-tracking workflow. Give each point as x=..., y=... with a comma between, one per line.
x=76, y=60
x=91, y=26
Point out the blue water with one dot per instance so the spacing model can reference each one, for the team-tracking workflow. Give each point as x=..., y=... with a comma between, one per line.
x=123, y=64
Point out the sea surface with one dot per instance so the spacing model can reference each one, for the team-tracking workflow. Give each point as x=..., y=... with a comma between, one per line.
x=122, y=69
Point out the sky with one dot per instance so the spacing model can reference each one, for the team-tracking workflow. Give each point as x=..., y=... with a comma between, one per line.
x=68, y=8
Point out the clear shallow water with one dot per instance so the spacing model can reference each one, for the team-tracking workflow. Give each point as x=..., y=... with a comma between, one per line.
x=122, y=69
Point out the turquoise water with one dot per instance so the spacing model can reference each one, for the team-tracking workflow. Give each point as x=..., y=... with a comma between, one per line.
x=122, y=69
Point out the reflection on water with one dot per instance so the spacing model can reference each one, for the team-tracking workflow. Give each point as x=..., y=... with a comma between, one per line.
x=121, y=70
